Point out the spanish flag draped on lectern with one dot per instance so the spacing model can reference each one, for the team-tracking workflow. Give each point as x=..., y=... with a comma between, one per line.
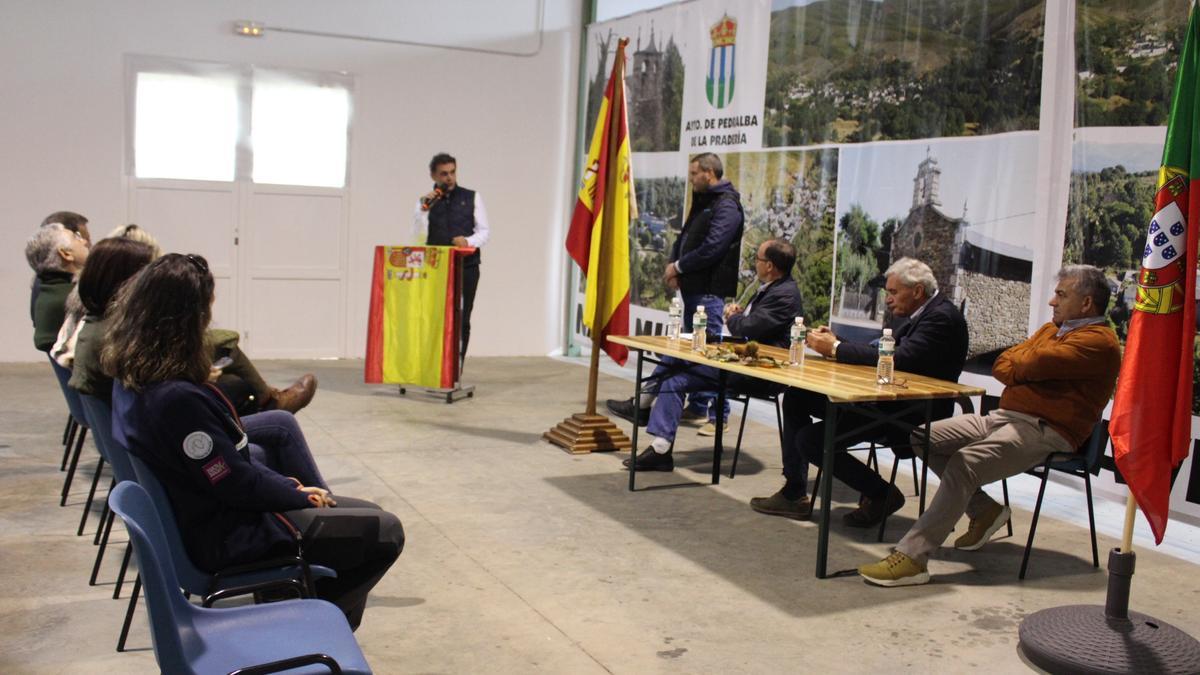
x=598, y=242
x=412, y=330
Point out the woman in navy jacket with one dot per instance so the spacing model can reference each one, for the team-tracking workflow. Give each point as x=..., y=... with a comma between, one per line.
x=231, y=509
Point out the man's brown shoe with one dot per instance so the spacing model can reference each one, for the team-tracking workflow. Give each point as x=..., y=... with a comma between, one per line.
x=871, y=512
x=295, y=397
x=982, y=528
x=778, y=505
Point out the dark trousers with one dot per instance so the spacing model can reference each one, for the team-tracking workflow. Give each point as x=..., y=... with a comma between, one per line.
x=470, y=282
x=804, y=442
x=357, y=539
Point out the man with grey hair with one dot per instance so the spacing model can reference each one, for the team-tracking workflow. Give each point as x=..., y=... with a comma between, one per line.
x=56, y=255
x=1057, y=383
x=932, y=342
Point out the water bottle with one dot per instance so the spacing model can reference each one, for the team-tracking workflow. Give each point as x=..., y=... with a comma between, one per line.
x=674, y=320
x=887, y=351
x=699, y=329
x=796, y=349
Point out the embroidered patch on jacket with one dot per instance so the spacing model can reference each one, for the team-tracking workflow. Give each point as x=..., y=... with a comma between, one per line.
x=197, y=445
x=216, y=470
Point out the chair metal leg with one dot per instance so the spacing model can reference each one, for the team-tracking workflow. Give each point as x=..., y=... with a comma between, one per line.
x=104, y=512
x=891, y=484
x=121, y=574
x=737, y=449
x=68, y=439
x=133, y=598
x=873, y=459
x=87, y=505
x=1004, y=488
x=108, y=521
x=74, y=462
x=916, y=483
x=1087, y=483
x=67, y=428
x=1033, y=523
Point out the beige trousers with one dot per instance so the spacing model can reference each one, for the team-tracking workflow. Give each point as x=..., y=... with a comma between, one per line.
x=968, y=452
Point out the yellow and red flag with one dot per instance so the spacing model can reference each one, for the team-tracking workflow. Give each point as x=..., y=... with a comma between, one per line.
x=1152, y=412
x=412, y=329
x=598, y=240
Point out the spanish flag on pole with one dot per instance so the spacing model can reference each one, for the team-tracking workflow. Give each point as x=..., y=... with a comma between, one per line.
x=1152, y=412
x=598, y=240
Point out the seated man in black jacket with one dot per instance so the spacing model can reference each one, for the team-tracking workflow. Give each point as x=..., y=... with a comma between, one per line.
x=932, y=342
x=767, y=319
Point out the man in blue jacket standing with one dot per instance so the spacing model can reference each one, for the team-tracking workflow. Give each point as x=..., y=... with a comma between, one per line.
x=704, y=259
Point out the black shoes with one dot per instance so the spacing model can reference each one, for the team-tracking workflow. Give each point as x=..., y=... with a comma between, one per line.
x=649, y=460
x=871, y=512
x=628, y=411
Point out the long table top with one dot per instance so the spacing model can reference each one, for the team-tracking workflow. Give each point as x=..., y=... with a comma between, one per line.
x=841, y=382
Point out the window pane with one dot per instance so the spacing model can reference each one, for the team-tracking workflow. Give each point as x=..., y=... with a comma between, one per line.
x=186, y=127
x=298, y=132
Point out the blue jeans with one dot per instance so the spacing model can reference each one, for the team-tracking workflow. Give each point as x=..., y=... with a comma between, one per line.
x=675, y=379
x=714, y=307
x=277, y=443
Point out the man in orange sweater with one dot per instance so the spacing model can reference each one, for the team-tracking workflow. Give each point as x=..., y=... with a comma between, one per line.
x=1056, y=386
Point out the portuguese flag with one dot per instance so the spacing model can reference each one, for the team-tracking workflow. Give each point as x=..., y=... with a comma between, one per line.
x=412, y=334
x=598, y=240
x=1152, y=411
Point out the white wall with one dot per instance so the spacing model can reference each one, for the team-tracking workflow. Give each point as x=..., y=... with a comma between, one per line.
x=508, y=119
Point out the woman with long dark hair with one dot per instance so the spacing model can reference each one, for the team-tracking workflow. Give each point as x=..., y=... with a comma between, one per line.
x=230, y=509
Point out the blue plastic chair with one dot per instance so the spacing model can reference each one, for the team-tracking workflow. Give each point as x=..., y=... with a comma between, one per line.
x=76, y=409
x=286, y=572
x=303, y=636
x=99, y=418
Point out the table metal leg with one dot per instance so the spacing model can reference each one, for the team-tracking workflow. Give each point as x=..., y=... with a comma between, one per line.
x=637, y=401
x=826, y=487
x=718, y=444
x=925, y=464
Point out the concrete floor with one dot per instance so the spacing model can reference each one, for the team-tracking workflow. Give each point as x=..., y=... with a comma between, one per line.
x=522, y=558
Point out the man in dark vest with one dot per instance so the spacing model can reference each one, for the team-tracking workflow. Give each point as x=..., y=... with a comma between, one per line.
x=452, y=215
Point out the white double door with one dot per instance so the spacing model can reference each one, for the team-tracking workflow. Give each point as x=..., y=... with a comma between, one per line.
x=278, y=254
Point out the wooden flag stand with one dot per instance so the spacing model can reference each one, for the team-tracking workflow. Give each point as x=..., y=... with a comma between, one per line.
x=587, y=431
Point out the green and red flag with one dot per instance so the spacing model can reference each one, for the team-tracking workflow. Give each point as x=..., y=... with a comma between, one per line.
x=598, y=240
x=1152, y=412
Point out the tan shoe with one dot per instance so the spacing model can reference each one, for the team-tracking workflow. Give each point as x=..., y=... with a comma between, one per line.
x=895, y=570
x=295, y=397
x=982, y=528
x=710, y=429
x=778, y=505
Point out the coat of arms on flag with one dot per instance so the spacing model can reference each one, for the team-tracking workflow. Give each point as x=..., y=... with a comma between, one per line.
x=718, y=86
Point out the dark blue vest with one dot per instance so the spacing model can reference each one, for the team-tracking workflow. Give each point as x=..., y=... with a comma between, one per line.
x=453, y=216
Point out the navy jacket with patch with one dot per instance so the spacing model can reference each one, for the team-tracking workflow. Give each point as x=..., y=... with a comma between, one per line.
x=224, y=503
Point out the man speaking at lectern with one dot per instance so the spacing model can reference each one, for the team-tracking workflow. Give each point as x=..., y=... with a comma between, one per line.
x=452, y=215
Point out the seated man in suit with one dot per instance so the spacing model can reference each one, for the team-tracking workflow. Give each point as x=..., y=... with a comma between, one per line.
x=767, y=319
x=932, y=342
x=1056, y=386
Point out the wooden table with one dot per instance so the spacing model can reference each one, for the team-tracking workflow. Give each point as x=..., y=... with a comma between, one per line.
x=846, y=387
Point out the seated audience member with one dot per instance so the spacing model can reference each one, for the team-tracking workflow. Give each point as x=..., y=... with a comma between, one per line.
x=932, y=342
x=240, y=380
x=230, y=509
x=72, y=221
x=113, y=261
x=56, y=254
x=1056, y=386
x=767, y=319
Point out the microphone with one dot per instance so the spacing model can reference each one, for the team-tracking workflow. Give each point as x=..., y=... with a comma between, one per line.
x=427, y=202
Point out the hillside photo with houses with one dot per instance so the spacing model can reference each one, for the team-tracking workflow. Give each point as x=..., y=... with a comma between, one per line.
x=849, y=72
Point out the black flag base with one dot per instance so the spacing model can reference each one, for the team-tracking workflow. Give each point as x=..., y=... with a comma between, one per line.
x=1109, y=639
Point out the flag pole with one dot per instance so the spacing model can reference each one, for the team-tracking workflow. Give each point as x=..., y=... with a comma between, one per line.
x=1130, y=512
x=608, y=212
x=588, y=431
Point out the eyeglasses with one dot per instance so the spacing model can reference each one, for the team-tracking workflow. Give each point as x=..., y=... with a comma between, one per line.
x=198, y=261
x=761, y=259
